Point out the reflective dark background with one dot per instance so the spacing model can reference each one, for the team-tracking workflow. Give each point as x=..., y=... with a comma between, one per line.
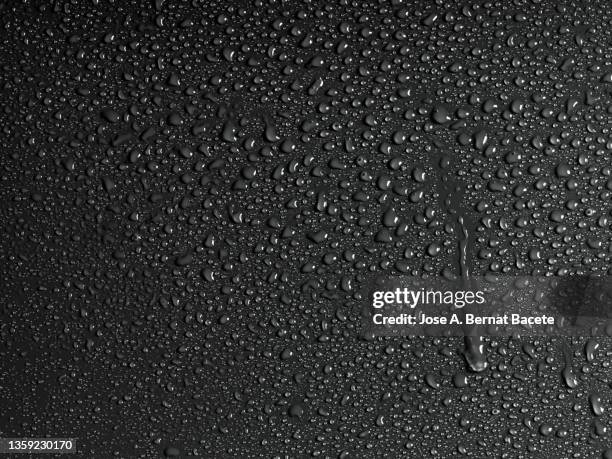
x=194, y=197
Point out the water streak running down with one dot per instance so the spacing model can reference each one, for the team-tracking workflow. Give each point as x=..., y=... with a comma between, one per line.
x=451, y=201
x=474, y=347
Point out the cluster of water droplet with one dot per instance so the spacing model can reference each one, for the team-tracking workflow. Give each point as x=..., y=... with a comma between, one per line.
x=196, y=197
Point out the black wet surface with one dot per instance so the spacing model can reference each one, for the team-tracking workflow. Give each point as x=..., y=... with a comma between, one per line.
x=196, y=195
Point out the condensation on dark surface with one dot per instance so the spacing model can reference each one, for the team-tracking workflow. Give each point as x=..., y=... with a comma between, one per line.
x=196, y=195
